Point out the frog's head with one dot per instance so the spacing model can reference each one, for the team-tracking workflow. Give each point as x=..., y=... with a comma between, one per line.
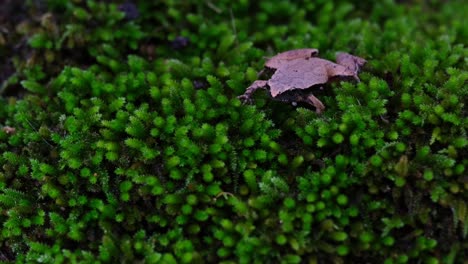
x=351, y=62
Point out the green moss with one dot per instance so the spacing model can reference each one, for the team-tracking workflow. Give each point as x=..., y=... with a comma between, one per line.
x=129, y=143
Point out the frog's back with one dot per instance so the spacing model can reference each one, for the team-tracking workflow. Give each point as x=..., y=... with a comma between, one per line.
x=299, y=74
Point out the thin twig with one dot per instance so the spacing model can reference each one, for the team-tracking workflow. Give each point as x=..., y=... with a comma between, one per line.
x=233, y=24
x=213, y=7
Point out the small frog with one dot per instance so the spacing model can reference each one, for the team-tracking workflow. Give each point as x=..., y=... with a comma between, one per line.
x=296, y=73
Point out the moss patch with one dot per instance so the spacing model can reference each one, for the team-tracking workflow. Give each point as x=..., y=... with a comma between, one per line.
x=129, y=143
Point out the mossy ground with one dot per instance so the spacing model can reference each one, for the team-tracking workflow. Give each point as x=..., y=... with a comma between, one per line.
x=122, y=139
